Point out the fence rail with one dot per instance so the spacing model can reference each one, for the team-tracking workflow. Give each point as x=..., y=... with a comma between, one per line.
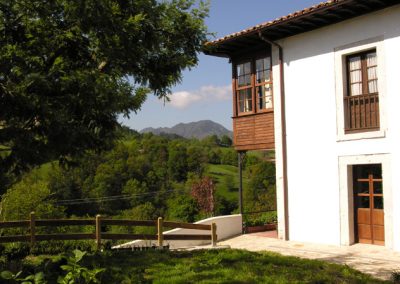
x=98, y=235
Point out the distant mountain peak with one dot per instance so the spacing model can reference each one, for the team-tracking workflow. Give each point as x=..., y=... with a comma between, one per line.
x=198, y=129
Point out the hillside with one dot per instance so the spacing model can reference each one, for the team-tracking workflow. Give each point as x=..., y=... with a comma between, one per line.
x=199, y=129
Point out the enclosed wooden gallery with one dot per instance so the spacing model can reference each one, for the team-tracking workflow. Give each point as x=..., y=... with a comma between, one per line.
x=253, y=108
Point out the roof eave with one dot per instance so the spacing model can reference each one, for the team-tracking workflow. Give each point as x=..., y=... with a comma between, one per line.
x=301, y=22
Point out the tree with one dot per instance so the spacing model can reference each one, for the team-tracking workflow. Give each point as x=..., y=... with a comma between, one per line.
x=203, y=192
x=136, y=190
x=212, y=140
x=226, y=141
x=197, y=157
x=229, y=157
x=69, y=68
x=261, y=191
x=177, y=162
x=182, y=208
x=29, y=194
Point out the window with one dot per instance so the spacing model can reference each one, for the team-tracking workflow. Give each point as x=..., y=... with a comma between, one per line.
x=362, y=100
x=244, y=87
x=254, y=85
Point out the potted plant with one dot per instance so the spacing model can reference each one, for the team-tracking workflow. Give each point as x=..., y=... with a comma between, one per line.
x=265, y=222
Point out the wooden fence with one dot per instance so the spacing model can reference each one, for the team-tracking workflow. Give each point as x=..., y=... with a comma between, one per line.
x=98, y=235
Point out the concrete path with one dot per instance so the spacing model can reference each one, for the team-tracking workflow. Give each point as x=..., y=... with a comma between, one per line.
x=375, y=260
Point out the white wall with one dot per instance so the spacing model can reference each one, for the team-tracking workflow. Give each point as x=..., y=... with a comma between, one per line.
x=227, y=227
x=314, y=140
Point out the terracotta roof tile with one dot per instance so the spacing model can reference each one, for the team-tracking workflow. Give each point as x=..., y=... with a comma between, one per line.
x=278, y=20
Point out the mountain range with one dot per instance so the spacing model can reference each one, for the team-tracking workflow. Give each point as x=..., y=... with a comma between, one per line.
x=198, y=129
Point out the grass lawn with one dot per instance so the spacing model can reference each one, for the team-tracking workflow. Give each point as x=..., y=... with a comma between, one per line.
x=206, y=266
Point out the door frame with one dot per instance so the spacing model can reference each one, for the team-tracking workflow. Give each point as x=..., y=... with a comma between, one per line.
x=346, y=196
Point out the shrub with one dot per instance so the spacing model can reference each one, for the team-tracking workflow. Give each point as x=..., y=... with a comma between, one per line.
x=77, y=273
x=396, y=277
x=30, y=194
x=49, y=272
x=182, y=208
x=260, y=219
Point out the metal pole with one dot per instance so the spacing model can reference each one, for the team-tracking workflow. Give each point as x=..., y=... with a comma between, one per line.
x=240, y=161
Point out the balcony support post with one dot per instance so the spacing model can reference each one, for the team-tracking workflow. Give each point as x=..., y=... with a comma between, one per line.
x=241, y=156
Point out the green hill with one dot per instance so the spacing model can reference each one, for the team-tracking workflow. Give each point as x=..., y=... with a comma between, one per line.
x=227, y=179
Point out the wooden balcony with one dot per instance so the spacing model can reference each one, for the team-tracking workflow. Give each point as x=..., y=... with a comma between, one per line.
x=361, y=113
x=254, y=132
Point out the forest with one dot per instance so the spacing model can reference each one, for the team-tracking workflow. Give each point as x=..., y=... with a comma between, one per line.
x=142, y=177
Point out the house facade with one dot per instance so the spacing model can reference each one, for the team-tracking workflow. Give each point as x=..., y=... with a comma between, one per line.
x=321, y=86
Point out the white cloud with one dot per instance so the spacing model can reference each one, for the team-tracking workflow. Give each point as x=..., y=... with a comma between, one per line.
x=206, y=94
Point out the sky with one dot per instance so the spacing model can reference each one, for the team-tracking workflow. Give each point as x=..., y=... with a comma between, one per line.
x=205, y=92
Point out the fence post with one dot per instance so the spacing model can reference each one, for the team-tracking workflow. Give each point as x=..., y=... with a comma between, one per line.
x=213, y=234
x=160, y=231
x=98, y=231
x=32, y=228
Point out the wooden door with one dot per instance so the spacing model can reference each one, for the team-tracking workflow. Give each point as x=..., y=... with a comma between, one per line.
x=368, y=204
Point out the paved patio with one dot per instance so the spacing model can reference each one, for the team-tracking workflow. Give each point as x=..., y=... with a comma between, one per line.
x=375, y=260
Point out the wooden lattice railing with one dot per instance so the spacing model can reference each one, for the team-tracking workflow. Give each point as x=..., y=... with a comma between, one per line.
x=361, y=112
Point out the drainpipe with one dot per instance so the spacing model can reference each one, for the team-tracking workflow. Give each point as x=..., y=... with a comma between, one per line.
x=241, y=154
x=283, y=125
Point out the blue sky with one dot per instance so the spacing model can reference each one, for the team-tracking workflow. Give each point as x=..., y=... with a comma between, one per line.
x=205, y=91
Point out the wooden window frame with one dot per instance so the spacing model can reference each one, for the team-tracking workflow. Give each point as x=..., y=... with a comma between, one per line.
x=253, y=86
x=246, y=87
x=256, y=85
x=363, y=113
x=364, y=72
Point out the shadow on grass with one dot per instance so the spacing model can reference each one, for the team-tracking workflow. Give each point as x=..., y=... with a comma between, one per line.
x=221, y=266
x=206, y=266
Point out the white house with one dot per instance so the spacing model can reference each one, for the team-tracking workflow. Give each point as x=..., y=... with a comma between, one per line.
x=322, y=87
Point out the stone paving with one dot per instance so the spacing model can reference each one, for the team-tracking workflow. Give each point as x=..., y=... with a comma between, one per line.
x=375, y=260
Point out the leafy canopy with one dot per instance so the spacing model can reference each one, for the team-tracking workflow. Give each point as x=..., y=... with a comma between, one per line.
x=69, y=68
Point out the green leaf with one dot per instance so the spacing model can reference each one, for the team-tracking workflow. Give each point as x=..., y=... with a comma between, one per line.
x=67, y=267
x=18, y=274
x=7, y=275
x=58, y=61
x=30, y=277
x=60, y=280
x=39, y=278
x=78, y=254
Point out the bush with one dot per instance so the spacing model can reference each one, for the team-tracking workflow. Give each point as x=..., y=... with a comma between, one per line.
x=16, y=251
x=182, y=208
x=261, y=219
x=396, y=277
x=49, y=271
x=229, y=157
x=145, y=211
x=224, y=206
x=30, y=194
x=77, y=273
